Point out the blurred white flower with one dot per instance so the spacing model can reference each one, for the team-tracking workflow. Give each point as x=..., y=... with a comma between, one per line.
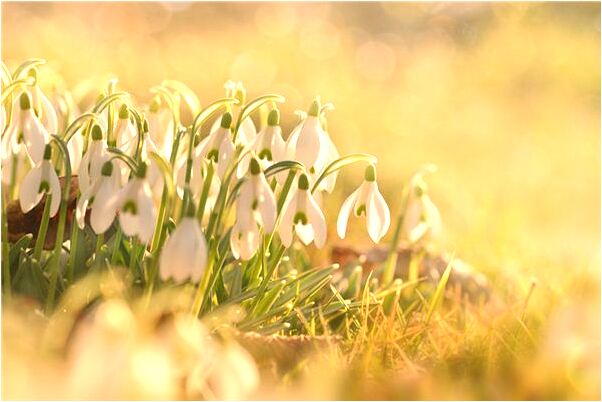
x=368, y=201
x=303, y=216
x=255, y=208
x=422, y=220
x=310, y=144
x=92, y=161
x=247, y=130
x=137, y=214
x=25, y=127
x=39, y=180
x=184, y=255
x=234, y=374
x=97, y=196
x=161, y=127
x=218, y=146
x=125, y=132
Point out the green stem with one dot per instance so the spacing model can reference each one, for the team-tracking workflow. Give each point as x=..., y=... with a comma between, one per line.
x=205, y=192
x=391, y=261
x=116, y=244
x=72, y=252
x=37, y=251
x=285, y=189
x=60, y=233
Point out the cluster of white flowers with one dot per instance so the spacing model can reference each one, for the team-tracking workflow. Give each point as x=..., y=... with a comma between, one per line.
x=114, y=152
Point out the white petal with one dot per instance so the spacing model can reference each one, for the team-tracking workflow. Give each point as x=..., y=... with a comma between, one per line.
x=226, y=150
x=285, y=230
x=48, y=113
x=317, y=220
x=55, y=189
x=278, y=145
x=36, y=137
x=378, y=217
x=104, y=207
x=309, y=142
x=267, y=208
x=306, y=233
x=344, y=213
x=247, y=131
x=235, y=241
x=146, y=214
x=29, y=196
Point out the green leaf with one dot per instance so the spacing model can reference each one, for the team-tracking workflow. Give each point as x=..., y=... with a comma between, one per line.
x=188, y=94
x=341, y=163
x=283, y=166
x=438, y=295
x=101, y=105
x=26, y=65
x=167, y=173
x=206, y=113
x=255, y=104
x=14, y=86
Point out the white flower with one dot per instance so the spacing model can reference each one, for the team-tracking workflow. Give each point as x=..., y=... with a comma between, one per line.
x=218, y=146
x=303, y=216
x=247, y=130
x=125, y=132
x=46, y=112
x=310, y=144
x=134, y=202
x=198, y=174
x=268, y=146
x=368, y=201
x=92, y=161
x=41, y=179
x=160, y=127
x=422, y=220
x=102, y=212
x=27, y=128
x=184, y=255
x=255, y=208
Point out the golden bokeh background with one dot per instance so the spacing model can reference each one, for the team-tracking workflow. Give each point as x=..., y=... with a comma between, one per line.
x=504, y=98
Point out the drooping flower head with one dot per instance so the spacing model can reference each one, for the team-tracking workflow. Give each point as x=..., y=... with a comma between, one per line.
x=366, y=201
x=184, y=255
x=97, y=197
x=302, y=216
x=40, y=180
x=255, y=209
x=422, y=220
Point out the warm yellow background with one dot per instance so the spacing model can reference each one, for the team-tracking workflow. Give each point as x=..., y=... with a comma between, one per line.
x=504, y=98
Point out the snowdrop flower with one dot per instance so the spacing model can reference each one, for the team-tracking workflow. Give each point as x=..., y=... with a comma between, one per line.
x=184, y=255
x=422, y=221
x=41, y=179
x=160, y=127
x=197, y=179
x=125, y=132
x=256, y=207
x=218, y=146
x=134, y=202
x=303, y=216
x=368, y=201
x=246, y=131
x=26, y=128
x=311, y=145
x=43, y=107
x=92, y=161
x=268, y=145
x=97, y=196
